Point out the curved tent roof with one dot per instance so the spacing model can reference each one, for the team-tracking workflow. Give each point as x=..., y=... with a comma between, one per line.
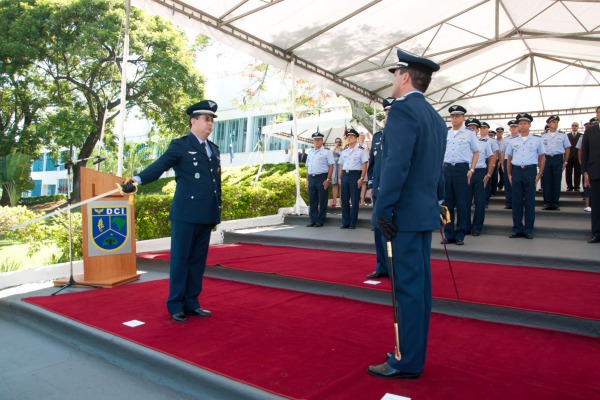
x=498, y=57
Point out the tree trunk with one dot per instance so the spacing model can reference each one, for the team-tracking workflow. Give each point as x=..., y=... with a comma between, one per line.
x=5, y=200
x=360, y=114
x=86, y=151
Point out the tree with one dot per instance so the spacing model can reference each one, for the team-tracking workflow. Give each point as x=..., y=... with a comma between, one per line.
x=81, y=64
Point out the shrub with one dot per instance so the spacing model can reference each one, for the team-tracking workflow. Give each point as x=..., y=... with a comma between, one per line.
x=30, y=201
x=152, y=216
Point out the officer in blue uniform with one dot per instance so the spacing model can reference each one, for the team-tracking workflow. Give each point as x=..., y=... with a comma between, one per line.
x=353, y=171
x=407, y=208
x=461, y=151
x=498, y=176
x=514, y=132
x=480, y=178
x=484, y=134
x=319, y=167
x=195, y=209
x=558, y=149
x=525, y=154
x=374, y=173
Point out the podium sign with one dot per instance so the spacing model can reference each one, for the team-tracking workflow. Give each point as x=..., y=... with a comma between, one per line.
x=109, y=228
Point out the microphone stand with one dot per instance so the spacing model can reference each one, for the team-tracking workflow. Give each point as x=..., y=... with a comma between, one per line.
x=69, y=165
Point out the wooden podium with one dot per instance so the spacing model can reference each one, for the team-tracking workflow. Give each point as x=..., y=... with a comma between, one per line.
x=109, y=251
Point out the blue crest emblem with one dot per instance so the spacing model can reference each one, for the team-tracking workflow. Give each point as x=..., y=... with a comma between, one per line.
x=108, y=227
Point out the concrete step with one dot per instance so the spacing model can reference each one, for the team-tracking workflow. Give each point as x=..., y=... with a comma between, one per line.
x=549, y=252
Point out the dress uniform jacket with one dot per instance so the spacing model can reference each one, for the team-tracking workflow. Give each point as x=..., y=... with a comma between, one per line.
x=590, y=163
x=414, y=143
x=197, y=196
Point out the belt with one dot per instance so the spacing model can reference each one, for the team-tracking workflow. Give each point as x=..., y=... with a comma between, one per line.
x=525, y=166
x=555, y=155
x=313, y=175
x=352, y=171
x=456, y=164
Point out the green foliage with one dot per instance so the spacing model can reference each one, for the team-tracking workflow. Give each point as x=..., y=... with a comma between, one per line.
x=15, y=170
x=33, y=200
x=69, y=56
x=13, y=216
x=152, y=216
x=45, y=233
x=10, y=265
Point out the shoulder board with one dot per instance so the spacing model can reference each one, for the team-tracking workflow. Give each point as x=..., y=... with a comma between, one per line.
x=537, y=135
x=482, y=140
x=469, y=129
x=360, y=147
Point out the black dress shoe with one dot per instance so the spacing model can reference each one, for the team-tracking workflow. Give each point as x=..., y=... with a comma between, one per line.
x=594, y=239
x=199, y=312
x=318, y=225
x=476, y=233
x=311, y=224
x=385, y=371
x=546, y=207
x=375, y=275
x=446, y=241
x=344, y=227
x=351, y=227
x=508, y=208
x=179, y=317
x=459, y=242
x=515, y=235
x=569, y=189
x=528, y=236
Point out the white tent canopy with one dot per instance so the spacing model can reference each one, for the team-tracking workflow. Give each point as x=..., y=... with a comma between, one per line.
x=498, y=57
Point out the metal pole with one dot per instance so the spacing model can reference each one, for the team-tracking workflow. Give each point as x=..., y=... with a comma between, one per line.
x=123, y=97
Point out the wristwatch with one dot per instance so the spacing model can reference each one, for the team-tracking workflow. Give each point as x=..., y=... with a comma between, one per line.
x=472, y=170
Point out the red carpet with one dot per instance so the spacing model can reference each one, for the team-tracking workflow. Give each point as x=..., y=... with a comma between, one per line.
x=307, y=346
x=573, y=293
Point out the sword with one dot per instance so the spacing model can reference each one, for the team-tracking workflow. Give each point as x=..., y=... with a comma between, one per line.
x=62, y=210
x=397, y=354
x=449, y=263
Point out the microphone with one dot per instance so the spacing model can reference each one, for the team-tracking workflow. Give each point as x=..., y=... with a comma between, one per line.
x=98, y=160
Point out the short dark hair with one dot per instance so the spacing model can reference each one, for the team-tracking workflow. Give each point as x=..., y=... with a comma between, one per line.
x=420, y=79
x=597, y=108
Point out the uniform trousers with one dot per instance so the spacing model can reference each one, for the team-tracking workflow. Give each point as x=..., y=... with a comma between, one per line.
x=380, y=251
x=523, y=198
x=507, y=188
x=455, y=177
x=573, y=177
x=350, y=193
x=552, y=179
x=477, y=192
x=189, y=249
x=595, y=204
x=412, y=288
x=317, y=198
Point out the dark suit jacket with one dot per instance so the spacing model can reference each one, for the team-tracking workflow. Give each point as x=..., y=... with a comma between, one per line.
x=197, y=196
x=590, y=152
x=573, y=139
x=414, y=143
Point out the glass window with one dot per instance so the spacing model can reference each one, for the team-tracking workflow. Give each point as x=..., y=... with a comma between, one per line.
x=38, y=165
x=37, y=188
x=63, y=185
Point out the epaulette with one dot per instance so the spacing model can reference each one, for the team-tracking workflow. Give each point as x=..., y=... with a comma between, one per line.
x=482, y=139
x=360, y=147
x=537, y=134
